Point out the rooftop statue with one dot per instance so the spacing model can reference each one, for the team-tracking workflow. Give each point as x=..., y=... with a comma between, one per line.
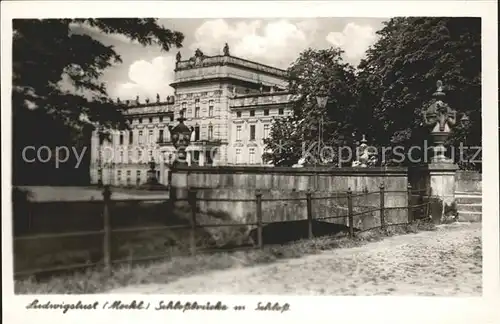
x=178, y=57
x=197, y=59
x=226, y=50
x=198, y=53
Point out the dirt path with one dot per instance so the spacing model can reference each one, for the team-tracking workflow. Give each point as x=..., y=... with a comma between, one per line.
x=444, y=262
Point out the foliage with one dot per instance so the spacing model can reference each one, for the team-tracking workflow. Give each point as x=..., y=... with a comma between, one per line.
x=315, y=72
x=283, y=147
x=56, y=78
x=398, y=76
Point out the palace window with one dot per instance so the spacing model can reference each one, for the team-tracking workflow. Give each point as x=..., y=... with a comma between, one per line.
x=196, y=158
x=119, y=175
x=197, y=108
x=140, y=137
x=150, y=120
x=121, y=157
x=129, y=156
x=251, y=153
x=130, y=137
x=138, y=176
x=160, y=136
x=161, y=119
x=266, y=130
x=171, y=118
x=197, y=133
x=280, y=111
x=238, y=133
x=183, y=106
x=140, y=120
x=210, y=132
x=150, y=137
x=208, y=157
x=238, y=114
x=121, y=138
x=238, y=156
x=252, y=113
x=252, y=132
x=266, y=112
x=210, y=108
x=139, y=156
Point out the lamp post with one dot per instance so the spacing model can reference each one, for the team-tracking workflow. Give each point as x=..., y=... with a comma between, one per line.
x=321, y=100
x=181, y=138
x=465, y=123
x=99, y=156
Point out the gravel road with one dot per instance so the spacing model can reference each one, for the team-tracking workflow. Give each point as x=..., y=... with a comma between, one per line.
x=445, y=262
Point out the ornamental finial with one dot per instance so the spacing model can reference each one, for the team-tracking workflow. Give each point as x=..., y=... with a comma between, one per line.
x=439, y=91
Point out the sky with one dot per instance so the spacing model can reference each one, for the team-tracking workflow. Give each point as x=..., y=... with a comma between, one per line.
x=147, y=71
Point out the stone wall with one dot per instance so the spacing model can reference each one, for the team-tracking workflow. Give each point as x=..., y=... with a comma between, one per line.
x=468, y=181
x=284, y=192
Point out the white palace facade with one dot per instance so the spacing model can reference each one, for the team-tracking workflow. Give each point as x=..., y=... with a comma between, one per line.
x=230, y=103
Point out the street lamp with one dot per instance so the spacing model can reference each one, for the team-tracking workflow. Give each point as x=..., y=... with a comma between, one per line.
x=465, y=122
x=99, y=156
x=322, y=100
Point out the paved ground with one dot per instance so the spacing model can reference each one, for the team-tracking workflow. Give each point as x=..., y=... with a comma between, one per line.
x=444, y=262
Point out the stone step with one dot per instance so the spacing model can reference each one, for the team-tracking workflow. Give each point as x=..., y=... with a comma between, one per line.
x=469, y=216
x=468, y=199
x=470, y=207
x=468, y=193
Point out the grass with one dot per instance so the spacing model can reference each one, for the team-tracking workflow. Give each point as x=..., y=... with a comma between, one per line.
x=98, y=281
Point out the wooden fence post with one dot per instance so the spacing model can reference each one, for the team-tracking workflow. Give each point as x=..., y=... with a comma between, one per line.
x=106, y=247
x=192, y=232
x=310, y=234
x=382, y=205
x=349, y=208
x=410, y=211
x=258, y=197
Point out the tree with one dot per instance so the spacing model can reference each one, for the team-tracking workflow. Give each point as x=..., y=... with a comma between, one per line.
x=399, y=74
x=283, y=147
x=57, y=95
x=315, y=72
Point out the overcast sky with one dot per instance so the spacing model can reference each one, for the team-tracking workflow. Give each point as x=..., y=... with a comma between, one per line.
x=146, y=71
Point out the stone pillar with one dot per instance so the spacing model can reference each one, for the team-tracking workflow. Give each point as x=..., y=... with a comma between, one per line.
x=441, y=170
x=202, y=156
x=441, y=182
x=162, y=171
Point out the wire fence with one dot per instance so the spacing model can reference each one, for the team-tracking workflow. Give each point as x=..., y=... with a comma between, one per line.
x=352, y=209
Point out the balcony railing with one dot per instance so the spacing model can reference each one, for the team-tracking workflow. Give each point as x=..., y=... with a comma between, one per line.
x=213, y=142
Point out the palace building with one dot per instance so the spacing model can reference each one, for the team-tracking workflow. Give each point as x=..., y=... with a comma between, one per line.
x=229, y=102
